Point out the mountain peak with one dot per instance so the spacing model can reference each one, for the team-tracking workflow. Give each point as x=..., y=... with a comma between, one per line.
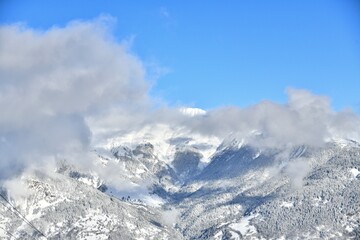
x=192, y=111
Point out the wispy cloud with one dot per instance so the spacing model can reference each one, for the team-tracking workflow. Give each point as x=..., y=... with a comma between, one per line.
x=164, y=12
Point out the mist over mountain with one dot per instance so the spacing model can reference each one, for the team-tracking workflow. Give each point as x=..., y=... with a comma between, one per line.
x=86, y=153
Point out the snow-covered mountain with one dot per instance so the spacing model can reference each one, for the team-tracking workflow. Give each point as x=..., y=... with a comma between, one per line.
x=181, y=185
x=301, y=193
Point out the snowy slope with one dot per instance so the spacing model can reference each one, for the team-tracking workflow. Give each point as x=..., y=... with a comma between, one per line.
x=272, y=195
x=183, y=185
x=64, y=208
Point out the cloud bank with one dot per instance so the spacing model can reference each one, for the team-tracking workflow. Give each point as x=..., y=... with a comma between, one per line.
x=305, y=119
x=52, y=80
x=63, y=87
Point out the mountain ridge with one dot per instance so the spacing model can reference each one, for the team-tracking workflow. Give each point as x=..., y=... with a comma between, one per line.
x=229, y=197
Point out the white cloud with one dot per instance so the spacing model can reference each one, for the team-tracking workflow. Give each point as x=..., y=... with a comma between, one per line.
x=170, y=216
x=297, y=171
x=305, y=119
x=52, y=80
x=61, y=87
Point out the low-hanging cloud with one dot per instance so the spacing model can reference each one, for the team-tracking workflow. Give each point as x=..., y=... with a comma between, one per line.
x=52, y=80
x=305, y=119
x=63, y=87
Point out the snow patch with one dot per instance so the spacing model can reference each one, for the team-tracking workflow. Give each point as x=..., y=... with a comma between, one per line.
x=95, y=224
x=258, y=153
x=244, y=226
x=287, y=204
x=349, y=229
x=192, y=111
x=355, y=172
x=218, y=235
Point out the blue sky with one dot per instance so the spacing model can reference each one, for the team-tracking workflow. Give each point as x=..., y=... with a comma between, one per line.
x=219, y=53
